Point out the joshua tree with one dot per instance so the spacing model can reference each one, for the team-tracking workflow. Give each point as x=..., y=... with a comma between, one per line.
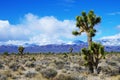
x=86, y=24
x=21, y=49
x=71, y=49
x=92, y=55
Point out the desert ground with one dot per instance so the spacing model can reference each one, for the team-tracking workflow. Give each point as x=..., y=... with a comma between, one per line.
x=56, y=67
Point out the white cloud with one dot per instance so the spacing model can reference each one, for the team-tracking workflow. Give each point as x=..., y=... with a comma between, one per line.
x=111, y=40
x=33, y=29
x=114, y=13
x=117, y=36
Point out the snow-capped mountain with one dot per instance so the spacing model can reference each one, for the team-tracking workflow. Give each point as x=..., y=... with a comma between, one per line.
x=110, y=42
x=78, y=42
x=110, y=45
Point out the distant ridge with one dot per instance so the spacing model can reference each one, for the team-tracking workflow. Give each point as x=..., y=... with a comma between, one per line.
x=56, y=48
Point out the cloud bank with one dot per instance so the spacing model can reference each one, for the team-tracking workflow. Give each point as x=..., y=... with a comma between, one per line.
x=117, y=36
x=36, y=30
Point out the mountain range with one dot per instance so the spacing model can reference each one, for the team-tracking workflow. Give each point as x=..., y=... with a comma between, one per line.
x=110, y=45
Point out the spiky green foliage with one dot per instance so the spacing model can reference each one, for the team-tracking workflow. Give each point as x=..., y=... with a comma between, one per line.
x=85, y=23
x=21, y=49
x=92, y=55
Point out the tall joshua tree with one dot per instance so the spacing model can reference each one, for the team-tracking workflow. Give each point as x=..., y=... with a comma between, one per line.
x=86, y=23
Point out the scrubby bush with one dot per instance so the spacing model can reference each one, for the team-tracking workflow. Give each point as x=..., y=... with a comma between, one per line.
x=49, y=73
x=14, y=66
x=6, y=53
x=1, y=66
x=38, y=68
x=33, y=59
x=27, y=53
x=65, y=77
x=13, y=53
x=65, y=55
x=59, y=64
x=29, y=64
x=30, y=74
x=3, y=77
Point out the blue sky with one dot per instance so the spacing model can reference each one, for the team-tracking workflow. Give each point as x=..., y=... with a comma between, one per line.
x=51, y=21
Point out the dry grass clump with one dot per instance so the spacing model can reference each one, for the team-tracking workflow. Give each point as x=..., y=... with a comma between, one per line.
x=49, y=73
x=30, y=74
x=66, y=77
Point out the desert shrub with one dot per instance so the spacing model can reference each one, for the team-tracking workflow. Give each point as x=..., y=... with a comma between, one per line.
x=110, y=71
x=64, y=77
x=64, y=71
x=27, y=53
x=6, y=74
x=22, y=68
x=29, y=64
x=49, y=73
x=3, y=77
x=67, y=67
x=30, y=74
x=13, y=53
x=33, y=59
x=65, y=55
x=59, y=64
x=14, y=66
x=1, y=66
x=6, y=53
x=112, y=63
x=38, y=68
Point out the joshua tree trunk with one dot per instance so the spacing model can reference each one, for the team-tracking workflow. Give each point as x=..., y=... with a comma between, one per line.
x=96, y=65
x=90, y=64
x=89, y=39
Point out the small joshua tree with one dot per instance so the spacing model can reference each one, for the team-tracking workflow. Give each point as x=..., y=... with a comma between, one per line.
x=71, y=49
x=21, y=49
x=92, y=55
